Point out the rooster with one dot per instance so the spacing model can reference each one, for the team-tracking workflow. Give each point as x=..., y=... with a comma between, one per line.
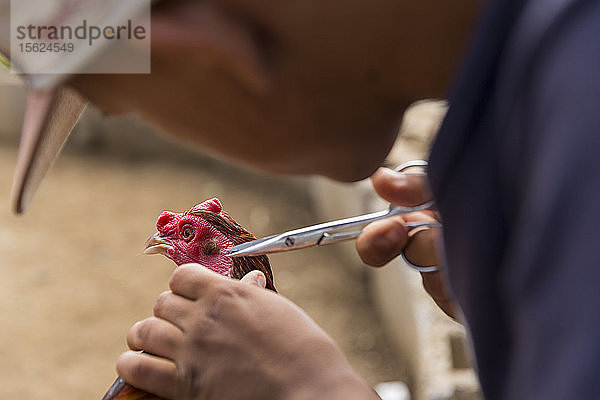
x=201, y=235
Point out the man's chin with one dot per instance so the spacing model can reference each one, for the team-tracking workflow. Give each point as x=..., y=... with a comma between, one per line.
x=356, y=163
x=352, y=173
x=336, y=166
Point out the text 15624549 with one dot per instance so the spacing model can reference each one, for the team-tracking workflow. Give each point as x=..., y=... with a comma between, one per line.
x=46, y=47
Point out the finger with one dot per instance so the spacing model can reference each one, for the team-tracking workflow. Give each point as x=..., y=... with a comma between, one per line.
x=382, y=241
x=149, y=373
x=422, y=251
x=436, y=286
x=421, y=216
x=173, y=308
x=422, y=247
x=401, y=189
x=189, y=280
x=155, y=336
x=255, y=278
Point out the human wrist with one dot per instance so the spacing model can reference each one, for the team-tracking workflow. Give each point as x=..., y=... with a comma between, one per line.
x=336, y=384
x=349, y=387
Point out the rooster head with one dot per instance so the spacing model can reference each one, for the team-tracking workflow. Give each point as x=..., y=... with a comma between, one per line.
x=204, y=235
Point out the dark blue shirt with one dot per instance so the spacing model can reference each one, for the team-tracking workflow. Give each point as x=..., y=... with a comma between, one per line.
x=515, y=172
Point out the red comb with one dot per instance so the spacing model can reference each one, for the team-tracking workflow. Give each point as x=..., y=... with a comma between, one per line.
x=213, y=205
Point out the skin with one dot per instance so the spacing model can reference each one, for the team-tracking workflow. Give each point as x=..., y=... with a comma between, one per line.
x=321, y=88
x=207, y=316
x=384, y=240
x=296, y=87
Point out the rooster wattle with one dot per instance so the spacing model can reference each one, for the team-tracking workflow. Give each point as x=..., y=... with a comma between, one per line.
x=201, y=235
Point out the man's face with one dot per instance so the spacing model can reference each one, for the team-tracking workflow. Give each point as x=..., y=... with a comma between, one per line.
x=298, y=86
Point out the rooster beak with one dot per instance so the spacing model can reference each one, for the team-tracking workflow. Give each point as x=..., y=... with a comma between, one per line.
x=157, y=245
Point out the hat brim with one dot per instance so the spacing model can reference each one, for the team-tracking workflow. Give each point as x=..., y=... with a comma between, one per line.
x=50, y=117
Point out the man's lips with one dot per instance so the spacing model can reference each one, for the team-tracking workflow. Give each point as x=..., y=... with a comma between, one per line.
x=157, y=245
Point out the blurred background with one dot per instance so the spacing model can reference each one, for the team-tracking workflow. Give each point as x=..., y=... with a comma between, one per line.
x=73, y=280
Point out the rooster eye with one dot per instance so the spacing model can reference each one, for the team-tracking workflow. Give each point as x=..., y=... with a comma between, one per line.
x=209, y=247
x=187, y=233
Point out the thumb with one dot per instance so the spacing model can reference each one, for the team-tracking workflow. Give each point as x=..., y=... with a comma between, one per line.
x=256, y=278
x=401, y=189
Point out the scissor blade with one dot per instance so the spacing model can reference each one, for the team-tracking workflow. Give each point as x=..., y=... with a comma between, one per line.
x=291, y=240
x=320, y=234
x=249, y=248
x=301, y=238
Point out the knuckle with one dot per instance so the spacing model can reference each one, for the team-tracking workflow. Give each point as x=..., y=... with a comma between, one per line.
x=131, y=367
x=141, y=332
x=122, y=364
x=161, y=302
x=132, y=340
x=182, y=273
x=177, y=276
x=137, y=370
x=222, y=297
x=191, y=378
x=216, y=292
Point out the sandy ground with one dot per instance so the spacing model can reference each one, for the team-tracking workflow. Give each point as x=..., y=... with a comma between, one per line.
x=72, y=280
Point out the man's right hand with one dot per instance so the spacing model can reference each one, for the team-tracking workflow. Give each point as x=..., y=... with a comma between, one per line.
x=384, y=240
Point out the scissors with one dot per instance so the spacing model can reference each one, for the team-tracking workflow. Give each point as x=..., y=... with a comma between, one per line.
x=334, y=231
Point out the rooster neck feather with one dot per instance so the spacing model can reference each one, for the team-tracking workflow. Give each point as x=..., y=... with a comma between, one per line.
x=238, y=235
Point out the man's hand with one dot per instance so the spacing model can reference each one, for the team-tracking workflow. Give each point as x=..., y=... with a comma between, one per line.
x=216, y=338
x=384, y=240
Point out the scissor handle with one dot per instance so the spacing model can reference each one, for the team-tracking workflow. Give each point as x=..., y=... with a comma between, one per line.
x=411, y=164
x=333, y=237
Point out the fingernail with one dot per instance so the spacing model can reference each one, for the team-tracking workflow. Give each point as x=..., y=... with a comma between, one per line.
x=261, y=280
